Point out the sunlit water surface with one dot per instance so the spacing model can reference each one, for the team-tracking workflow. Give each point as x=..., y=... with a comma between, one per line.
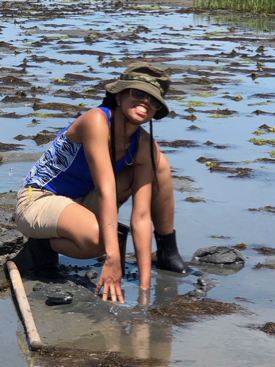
x=186, y=39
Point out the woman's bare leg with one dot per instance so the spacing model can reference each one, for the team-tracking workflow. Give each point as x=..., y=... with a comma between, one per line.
x=78, y=230
x=78, y=227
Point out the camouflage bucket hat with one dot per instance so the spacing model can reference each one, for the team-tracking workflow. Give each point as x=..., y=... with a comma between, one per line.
x=145, y=77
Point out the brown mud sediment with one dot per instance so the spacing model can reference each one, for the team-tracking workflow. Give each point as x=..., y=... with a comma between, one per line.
x=61, y=356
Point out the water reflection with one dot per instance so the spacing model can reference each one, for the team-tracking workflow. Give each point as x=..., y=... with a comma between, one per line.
x=139, y=338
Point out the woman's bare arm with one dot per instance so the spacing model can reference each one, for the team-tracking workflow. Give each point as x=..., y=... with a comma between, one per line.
x=94, y=132
x=141, y=213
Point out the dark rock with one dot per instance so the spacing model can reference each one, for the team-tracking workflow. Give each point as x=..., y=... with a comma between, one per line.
x=205, y=283
x=91, y=274
x=11, y=241
x=57, y=295
x=37, y=287
x=218, y=255
x=196, y=294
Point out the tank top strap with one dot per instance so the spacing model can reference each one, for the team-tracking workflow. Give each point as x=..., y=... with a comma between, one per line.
x=107, y=112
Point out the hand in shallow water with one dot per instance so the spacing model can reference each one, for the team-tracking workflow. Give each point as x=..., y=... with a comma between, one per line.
x=110, y=280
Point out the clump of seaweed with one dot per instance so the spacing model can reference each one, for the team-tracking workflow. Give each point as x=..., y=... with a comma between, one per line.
x=264, y=250
x=53, y=356
x=240, y=246
x=181, y=309
x=256, y=141
x=266, y=266
x=264, y=129
x=267, y=208
x=178, y=143
x=268, y=328
x=234, y=172
x=193, y=199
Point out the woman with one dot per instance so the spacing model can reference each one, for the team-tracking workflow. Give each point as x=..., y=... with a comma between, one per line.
x=68, y=202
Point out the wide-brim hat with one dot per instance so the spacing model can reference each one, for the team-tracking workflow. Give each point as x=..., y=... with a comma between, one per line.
x=145, y=77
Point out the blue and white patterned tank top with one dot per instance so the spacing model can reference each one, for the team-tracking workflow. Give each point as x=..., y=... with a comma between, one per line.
x=63, y=168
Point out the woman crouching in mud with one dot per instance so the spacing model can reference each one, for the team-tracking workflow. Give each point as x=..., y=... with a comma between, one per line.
x=69, y=201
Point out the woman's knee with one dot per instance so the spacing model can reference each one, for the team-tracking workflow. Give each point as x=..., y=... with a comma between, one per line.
x=89, y=248
x=81, y=247
x=80, y=225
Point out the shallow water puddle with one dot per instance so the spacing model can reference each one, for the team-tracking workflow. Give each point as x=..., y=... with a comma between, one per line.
x=222, y=93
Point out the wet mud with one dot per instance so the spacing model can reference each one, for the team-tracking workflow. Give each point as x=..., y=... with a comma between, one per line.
x=61, y=356
x=73, y=295
x=55, y=60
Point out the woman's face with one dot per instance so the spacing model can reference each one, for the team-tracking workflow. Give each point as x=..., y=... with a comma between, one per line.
x=137, y=111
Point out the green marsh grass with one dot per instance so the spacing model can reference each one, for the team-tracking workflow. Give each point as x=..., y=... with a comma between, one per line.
x=256, y=23
x=254, y=6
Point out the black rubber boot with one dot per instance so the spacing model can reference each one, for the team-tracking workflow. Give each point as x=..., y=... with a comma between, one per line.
x=45, y=259
x=122, y=231
x=168, y=257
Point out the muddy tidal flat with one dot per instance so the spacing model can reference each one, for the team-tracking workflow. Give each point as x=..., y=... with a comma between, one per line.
x=219, y=138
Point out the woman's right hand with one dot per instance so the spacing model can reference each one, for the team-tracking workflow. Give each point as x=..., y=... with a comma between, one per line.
x=110, y=280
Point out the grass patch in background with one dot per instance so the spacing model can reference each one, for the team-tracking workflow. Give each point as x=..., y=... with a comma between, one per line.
x=233, y=20
x=254, y=6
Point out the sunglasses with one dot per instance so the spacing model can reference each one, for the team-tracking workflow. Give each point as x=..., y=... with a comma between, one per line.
x=138, y=94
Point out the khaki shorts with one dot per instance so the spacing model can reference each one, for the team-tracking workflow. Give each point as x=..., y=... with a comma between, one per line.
x=37, y=212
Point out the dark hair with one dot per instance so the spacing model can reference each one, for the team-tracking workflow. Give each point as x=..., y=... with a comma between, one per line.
x=109, y=101
x=152, y=154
